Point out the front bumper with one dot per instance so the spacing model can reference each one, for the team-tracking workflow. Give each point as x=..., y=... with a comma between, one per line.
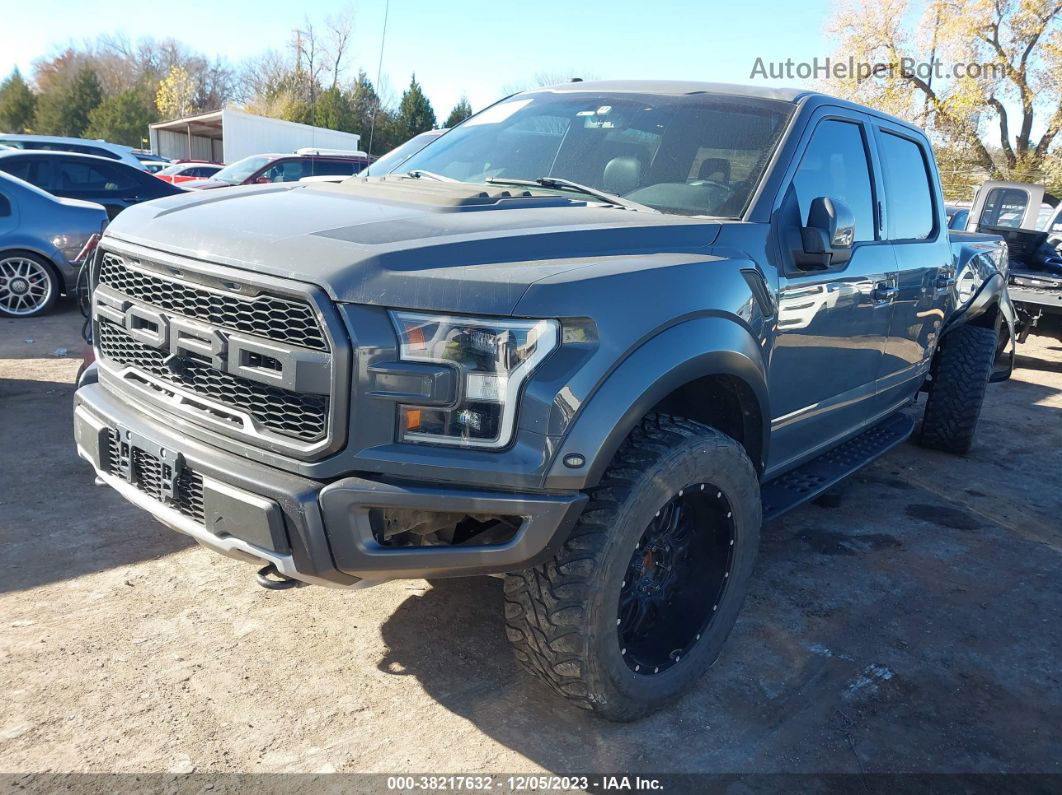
x=310, y=531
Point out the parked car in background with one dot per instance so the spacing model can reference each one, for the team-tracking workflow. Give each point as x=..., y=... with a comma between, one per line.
x=40, y=237
x=265, y=169
x=83, y=146
x=401, y=153
x=1029, y=219
x=957, y=216
x=177, y=173
x=112, y=184
x=155, y=166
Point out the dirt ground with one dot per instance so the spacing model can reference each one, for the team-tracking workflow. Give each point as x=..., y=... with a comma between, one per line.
x=914, y=628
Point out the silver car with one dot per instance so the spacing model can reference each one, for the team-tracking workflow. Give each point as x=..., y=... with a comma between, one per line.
x=40, y=237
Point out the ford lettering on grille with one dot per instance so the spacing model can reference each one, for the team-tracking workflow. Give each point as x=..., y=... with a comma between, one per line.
x=236, y=354
x=256, y=365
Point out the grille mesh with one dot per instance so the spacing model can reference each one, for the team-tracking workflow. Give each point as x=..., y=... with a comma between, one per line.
x=282, y=411
x=146, y=472
x=266, y=316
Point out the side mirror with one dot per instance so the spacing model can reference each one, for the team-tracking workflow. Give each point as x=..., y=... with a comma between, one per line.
x=827, y=239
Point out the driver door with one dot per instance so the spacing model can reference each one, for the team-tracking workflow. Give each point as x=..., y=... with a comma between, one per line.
x=833, y=324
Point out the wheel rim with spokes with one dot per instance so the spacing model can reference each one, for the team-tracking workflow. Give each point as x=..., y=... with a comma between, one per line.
x=25, y=285
x=676, y=579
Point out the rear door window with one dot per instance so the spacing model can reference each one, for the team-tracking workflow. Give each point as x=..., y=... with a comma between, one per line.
x=908, y=196
x=96, y=177
x=331, y=167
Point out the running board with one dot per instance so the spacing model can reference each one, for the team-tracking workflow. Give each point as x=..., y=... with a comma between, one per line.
x=807, y=481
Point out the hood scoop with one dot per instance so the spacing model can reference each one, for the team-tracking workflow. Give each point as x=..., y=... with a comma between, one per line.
x=425, y=193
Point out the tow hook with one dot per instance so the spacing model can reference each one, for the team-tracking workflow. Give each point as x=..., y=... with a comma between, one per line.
x=269, y=577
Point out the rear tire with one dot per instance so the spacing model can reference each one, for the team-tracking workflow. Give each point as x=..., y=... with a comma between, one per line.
x=960, y=377
x=624, y=634
x=29, y=285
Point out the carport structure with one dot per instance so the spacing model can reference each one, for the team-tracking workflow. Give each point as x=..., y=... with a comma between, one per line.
x=227, y=135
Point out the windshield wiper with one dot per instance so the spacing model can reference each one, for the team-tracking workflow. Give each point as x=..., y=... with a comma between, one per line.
x=566, y=184
x=418, y=173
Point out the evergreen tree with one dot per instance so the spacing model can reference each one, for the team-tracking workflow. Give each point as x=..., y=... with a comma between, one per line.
x=363, y=104
x=415, y=114
x=17, y=104
x=462, y=110
x=123, y=118
x=64, y=110
x=334, y=111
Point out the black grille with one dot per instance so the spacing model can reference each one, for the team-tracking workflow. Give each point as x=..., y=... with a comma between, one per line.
x=266, y=316
x=146, y=474
x=282, y=411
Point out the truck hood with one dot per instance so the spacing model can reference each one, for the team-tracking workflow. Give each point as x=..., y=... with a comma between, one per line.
x=407, y=243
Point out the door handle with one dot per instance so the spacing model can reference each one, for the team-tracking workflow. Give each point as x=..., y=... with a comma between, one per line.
x=883, y=291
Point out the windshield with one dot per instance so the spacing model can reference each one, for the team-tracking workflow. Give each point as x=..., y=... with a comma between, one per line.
x=400, y=154
x=699, y=154
x=237, y=172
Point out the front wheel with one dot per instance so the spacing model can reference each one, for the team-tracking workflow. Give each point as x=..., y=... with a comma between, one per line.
x=638, y=602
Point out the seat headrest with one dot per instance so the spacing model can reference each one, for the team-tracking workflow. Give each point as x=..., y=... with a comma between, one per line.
x=716, y=169
x=622, y=174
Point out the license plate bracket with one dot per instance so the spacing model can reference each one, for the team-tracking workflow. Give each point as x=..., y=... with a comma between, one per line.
x=170, y=464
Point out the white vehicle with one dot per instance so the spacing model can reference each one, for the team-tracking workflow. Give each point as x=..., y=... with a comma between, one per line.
x=85, y=146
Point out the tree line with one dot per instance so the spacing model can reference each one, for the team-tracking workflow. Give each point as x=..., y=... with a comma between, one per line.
x=113, y=88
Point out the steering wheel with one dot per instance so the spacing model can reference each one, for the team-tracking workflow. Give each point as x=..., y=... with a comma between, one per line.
x=711, y=183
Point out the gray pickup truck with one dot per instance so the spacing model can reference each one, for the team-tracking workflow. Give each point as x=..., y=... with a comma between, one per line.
x=1029, y=220
x=588, y=340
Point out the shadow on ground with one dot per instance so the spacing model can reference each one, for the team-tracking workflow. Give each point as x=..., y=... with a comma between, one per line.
x=55, y=524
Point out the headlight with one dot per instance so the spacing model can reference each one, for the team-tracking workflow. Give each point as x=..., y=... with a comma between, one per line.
x=493, y=358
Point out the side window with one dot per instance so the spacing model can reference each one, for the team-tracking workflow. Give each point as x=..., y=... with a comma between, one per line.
x=35, y=171
x=288, y=170
x=908, y=196
x=835, y=165
x=1005, y=207
x=95, y=150
x=324, y=167
x=82, y=175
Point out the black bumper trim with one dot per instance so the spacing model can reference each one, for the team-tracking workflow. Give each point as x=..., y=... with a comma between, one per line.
x=547, y=520
x=329, y=538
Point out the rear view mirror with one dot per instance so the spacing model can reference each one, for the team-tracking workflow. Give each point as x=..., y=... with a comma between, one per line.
x=828, y=237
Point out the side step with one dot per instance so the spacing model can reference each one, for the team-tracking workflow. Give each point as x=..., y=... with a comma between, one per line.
x=807, y=481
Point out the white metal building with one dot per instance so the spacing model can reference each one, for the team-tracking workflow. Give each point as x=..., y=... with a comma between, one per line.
x=225, y=136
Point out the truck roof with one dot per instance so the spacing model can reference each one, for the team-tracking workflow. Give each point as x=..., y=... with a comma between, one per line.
x=686, y=87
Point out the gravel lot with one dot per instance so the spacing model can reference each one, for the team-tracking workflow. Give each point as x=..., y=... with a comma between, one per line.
x=914, y=628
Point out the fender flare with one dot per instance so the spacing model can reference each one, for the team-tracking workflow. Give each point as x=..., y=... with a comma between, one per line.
x=990, y=293
x=651, y=372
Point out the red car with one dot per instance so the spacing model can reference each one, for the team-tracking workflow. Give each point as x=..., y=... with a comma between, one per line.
x=187, y=170
x=264, y=169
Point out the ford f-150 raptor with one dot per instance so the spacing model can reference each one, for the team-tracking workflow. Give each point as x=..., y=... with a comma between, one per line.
x=588, y=340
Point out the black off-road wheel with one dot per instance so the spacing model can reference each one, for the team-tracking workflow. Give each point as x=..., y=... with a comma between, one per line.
x=639, y=600
x=957, y=389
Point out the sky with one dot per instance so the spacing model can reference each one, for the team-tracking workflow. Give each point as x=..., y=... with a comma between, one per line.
x=457, y=47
